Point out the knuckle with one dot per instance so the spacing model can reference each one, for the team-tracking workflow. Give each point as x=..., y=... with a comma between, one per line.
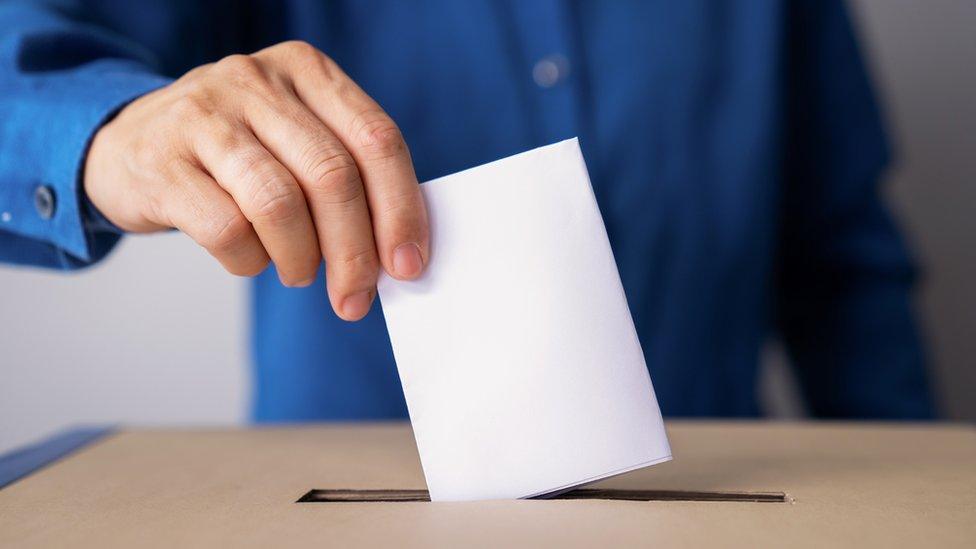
x=380, y=138
x=196, y=73
x=224, y=135
x=248, y=162
x=240, y=66
x=334, y=176
x=299, y=48
x=196, y=105
x=308, y=59
x=358, y=261
x=248, y=77
x=277, y=200
x=194, y=81
x=228, y=235
x=272, y=195
x=305, y=57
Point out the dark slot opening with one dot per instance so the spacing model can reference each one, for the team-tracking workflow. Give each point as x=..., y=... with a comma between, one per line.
x=366, y=496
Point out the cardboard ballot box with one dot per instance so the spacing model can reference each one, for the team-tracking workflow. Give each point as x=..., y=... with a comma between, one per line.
x=730, y=484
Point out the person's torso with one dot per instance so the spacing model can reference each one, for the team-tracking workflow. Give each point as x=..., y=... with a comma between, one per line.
x=677, y=107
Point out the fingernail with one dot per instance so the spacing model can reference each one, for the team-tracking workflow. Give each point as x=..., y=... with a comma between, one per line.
x=356, y=306
x=299, y=284
x=407, y=262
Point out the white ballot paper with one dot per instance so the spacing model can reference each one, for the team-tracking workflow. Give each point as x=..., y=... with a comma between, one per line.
x=518, y=356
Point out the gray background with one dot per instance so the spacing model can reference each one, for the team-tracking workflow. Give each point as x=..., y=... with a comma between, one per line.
x=157, y=334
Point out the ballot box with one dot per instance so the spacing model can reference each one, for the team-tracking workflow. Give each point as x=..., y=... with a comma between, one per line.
x=730, y=485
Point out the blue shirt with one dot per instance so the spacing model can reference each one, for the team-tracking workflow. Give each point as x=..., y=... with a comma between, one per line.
x=735, y=150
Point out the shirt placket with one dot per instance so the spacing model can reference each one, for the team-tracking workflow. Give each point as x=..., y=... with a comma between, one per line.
x=548, y=67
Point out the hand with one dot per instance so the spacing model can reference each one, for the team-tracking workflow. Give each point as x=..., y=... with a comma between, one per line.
x=274, y=156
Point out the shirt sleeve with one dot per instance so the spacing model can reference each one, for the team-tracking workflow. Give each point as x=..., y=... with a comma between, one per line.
x=60, y=80
x=845, y=276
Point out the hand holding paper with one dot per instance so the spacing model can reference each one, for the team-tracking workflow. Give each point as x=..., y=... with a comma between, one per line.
x=518, y=356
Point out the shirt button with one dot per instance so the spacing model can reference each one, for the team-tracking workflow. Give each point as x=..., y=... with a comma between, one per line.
x=44, y=201
x=550, y=70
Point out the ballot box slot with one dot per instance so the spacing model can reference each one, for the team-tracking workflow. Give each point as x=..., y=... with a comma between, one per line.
x=392, y=496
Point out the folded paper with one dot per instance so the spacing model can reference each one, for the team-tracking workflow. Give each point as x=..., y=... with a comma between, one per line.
x=520, y=364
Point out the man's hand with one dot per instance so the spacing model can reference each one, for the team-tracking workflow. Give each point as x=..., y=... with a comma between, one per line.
x=276, y=155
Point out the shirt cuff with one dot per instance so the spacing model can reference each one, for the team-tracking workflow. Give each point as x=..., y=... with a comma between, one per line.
x=50, y=204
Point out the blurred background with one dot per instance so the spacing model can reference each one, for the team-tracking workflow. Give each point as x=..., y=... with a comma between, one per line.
x=157, y=333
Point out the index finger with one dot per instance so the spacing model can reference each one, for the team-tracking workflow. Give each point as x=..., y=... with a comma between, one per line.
x=396, y=205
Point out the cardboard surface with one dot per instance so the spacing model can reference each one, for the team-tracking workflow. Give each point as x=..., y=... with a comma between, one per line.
x=864, y=485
